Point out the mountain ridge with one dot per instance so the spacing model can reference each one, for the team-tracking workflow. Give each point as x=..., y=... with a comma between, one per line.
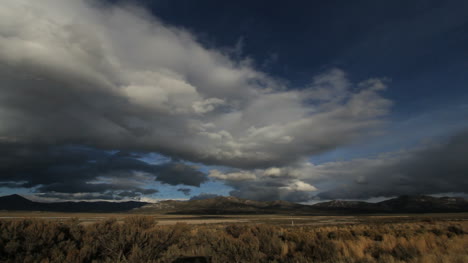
x=222, y=205
x=17, y=202
x=234, y=205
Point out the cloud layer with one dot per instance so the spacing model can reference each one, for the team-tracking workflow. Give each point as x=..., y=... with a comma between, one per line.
x=72, y=172
x=440, y=167
x=436, y=168
x=116, y=78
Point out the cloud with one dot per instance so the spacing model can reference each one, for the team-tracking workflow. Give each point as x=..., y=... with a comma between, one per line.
x=267, y=185
x=57, y=197
x=233, y=176
x=114, y=77
x=82, y=172
x=439, y=167
x=272, y=172
x=185, y=191
x=274, y=190
x=179, y=173
x=299, y=186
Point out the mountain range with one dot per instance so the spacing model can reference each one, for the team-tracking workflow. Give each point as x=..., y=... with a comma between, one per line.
x=401, y=204
x=18, y=203
x=233, y=205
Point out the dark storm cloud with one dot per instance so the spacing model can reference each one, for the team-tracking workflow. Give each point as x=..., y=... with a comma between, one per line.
x=175, y=173
x=270, y=193
x=185, y=191
x=78, y=170
x=137, y=193
x=108, y=195
x=76, y=186
x=267, y=185
x=438, y=168
x=79, y=196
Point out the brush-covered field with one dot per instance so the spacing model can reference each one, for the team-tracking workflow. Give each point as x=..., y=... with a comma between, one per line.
x=267, y=238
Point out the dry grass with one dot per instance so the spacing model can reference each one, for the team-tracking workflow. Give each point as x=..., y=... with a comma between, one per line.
x=141, y=239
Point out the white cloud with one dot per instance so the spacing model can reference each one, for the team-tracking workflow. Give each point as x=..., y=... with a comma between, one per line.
x=297, y=185
x=273, y=172
x=207, y=105
x=233, y=176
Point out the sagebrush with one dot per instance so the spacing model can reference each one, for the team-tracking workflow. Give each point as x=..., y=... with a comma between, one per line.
x=140, y=239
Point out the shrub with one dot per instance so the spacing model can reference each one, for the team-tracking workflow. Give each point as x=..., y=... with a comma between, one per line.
x=140, y=239
x=456, y=230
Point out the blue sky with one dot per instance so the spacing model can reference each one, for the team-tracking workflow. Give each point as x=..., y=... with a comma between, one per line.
x=257, y=99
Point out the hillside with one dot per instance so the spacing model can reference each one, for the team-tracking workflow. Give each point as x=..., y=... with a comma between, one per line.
x=223, y=205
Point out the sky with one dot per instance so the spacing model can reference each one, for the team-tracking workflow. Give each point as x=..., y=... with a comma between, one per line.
x=300, y=101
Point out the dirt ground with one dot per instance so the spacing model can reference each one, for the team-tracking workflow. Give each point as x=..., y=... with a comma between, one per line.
x=286, y=220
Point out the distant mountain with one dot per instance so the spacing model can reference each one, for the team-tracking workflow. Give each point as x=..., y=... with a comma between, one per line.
x=353, y=206
x=422, y=203
x=223, y=205
x=18, y=203
x=233, y=205
x=402, y=204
